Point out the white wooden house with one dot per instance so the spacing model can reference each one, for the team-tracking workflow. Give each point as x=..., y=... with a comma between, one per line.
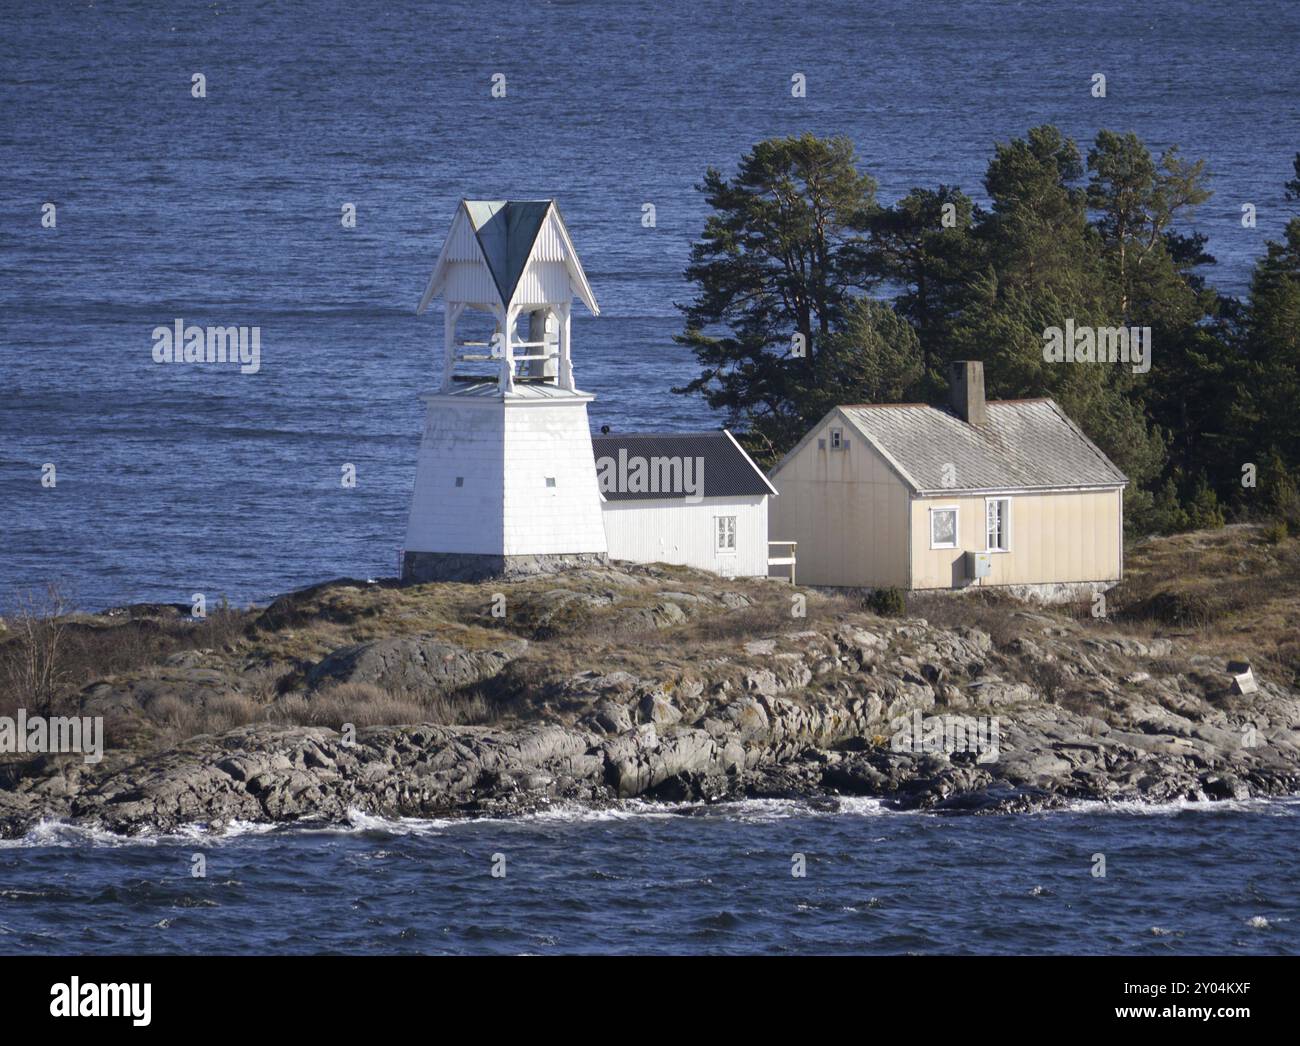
x=505, y=480
x=692, y=499
x=1007, y=493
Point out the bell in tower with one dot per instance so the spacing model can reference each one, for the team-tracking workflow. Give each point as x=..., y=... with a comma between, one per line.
x=505, y=483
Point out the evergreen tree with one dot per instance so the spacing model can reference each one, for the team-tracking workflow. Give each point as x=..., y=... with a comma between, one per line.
x=1137, y=201
x=797, y=242
x=923, y=247
x=1046, y=264
x=782, y=255
x=1266, y=415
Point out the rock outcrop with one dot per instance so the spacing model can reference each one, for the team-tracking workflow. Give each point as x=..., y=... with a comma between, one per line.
x=692, y=703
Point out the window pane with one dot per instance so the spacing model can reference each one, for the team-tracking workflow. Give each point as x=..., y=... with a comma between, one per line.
x=999, y=513
x=726, y=533
x=943, y=527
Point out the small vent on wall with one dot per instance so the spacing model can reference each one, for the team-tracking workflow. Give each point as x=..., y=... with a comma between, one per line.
x=821, y=443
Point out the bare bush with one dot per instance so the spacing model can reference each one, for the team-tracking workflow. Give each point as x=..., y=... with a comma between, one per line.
x=747, y=623
x=222, y=626
x=34, y=670
x=1048, y=677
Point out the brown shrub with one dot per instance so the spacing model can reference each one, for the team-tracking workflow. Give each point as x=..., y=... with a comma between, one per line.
x=1188, y=609
x=227, y=711
x=1047, y=677
x=178, y=717
x=382, y=709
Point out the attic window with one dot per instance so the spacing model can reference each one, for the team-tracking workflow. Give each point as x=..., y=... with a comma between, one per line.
x=460, y=481
x=837, y=439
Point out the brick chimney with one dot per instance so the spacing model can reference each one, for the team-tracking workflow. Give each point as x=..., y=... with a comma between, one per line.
x=966, y=391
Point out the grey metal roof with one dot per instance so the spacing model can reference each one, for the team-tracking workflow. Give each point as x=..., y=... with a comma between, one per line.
x=727, y=469
x=506, y=231
x=1027, y=444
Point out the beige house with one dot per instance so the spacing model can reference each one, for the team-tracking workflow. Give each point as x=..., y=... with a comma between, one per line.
x=1007, y=493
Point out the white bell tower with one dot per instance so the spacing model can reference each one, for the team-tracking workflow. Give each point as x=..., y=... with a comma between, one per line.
x=506, y=479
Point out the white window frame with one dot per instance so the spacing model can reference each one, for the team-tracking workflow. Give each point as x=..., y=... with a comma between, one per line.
x=837, y=438
x=956, y=525
x=1006, y=525
x=718, y=545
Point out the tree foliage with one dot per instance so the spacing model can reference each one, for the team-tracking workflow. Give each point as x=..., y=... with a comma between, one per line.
x=882, y=298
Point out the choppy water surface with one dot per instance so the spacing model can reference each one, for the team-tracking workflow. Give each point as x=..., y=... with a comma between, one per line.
x=225, y=211
x=1196, y=878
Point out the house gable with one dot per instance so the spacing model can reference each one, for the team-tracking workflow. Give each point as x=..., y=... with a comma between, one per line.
x=847, y=508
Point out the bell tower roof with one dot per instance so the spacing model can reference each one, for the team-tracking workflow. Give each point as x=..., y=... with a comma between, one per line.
x=509, y=253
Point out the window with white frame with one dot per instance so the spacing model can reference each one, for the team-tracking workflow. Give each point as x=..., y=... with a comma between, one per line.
x=997, y=513
x=725, y=533
x=943, y=527
x=837, y=439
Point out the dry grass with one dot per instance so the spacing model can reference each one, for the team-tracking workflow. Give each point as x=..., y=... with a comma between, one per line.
x=1001, y=616
x=363, y=704
x=48, y=653
x=1235, y=590
x=170, y=719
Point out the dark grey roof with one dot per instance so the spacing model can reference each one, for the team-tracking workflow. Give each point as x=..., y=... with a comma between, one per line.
x=727, y=470
x=1027, y=444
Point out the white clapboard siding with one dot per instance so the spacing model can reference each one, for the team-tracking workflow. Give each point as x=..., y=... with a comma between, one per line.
x=506, y=467
x=469, y=282
x=677, y=532
x=542, y=283
x=549, y=246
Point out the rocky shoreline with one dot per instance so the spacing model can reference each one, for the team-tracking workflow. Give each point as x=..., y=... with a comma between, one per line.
x=605, y=685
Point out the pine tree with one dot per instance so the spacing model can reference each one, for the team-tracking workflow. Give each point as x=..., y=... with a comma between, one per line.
x=783, y=255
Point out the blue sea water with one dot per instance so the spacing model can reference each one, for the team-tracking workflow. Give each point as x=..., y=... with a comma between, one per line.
x=172, y=480
x=226, y=210
x=1193, y=879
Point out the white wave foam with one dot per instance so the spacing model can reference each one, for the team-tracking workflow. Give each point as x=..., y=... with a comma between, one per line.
x=61, y=833
x=49, y=833
x=1282, y=807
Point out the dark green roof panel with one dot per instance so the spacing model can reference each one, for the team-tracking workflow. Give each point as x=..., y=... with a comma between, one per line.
x=506, y=231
